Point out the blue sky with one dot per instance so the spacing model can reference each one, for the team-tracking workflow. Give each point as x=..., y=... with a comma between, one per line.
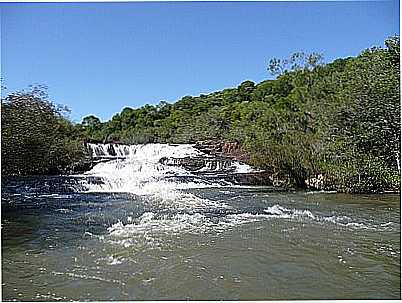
x=97, y=58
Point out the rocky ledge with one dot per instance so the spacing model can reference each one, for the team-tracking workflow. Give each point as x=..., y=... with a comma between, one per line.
x=228, y=149
x=201, y=164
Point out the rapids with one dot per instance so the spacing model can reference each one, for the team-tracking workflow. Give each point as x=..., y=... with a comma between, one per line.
x=138, y=228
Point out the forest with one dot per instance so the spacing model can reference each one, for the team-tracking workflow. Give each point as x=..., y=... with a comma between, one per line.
x=340, y=120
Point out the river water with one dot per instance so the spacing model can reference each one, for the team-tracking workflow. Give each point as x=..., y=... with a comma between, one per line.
x=134, y=229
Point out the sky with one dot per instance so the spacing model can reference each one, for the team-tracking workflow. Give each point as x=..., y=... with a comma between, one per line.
x=98, y=58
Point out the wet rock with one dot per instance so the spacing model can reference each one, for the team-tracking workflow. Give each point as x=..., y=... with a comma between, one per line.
x=189, y=163
x=254, y=178
x=230, y=149
x=200, y=164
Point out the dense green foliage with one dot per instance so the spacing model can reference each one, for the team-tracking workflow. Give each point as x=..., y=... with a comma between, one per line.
x=341, y=120
x=36, y=138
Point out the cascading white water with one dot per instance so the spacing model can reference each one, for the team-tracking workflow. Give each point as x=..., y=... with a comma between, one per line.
x=109, y=150
x=137, y=169
x=140, y=169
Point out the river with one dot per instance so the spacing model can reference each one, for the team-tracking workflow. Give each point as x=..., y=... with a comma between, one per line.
x=135, y=229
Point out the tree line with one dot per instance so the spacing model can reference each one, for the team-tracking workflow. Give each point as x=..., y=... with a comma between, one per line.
x=340, y=120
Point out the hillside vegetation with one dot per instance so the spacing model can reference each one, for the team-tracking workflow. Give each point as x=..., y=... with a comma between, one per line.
x=340, y=120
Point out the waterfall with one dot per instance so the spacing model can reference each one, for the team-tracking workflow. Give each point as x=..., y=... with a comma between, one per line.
x=109, y=150
x=156, y=168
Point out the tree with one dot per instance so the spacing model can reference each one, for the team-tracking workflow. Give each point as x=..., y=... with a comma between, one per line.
x=91, y=122
x=35, y=135
x=297, y=61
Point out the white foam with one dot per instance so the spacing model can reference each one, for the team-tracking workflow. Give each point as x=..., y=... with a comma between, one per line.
x=243, y=168
x=141, y=164
x=114, y=261
x=141, y=173
x=277, y=211
x=149, y=230
x=149, y=224
x=282, y=212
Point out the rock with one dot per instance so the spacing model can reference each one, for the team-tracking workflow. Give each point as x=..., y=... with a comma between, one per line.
x=228, y=149
x=210, y=165
x=188, y=163
x=221, y=168
x=85, y=165
x=254, y=178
